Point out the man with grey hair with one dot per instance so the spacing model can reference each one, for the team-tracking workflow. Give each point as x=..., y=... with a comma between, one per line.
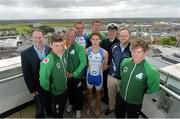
x=107, y=44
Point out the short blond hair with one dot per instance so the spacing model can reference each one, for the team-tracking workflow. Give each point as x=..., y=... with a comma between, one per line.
x=71, y=30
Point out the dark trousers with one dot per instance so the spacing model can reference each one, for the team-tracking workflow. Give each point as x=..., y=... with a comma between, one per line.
x=47, y=103
x=43, y=103
x=123, y=108
x=39, y=106
x=59, y=103
x=75, y=93
x=105, y=91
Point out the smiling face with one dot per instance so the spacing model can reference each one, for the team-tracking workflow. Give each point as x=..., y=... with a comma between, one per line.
x=38, y=39
x=57, y=47
x=124, y=36
x=112, y=33
x=138, y=54
x=139, y=49
x=70, y=36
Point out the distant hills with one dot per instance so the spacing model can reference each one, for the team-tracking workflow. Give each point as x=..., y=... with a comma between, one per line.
x=117, y=20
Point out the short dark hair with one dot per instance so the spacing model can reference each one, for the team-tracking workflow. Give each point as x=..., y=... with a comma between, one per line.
x=140, y=43
x=95, y=21
x=56, y=38
x=79, y=22
x=124, y=28
x=94, y=34
x=38, y=30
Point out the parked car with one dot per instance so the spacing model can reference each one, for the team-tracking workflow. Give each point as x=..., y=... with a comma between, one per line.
x=11, y=42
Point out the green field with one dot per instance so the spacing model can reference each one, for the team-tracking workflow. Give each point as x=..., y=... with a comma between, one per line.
x=59, y=24
x=21, y=28
x=25, y=28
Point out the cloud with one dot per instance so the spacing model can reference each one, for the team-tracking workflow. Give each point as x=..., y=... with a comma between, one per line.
x=62, y=9
x=172, y=3
x=57, y=3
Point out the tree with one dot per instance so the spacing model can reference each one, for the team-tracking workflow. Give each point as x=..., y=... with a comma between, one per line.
x=169, y=41
x=47, y=29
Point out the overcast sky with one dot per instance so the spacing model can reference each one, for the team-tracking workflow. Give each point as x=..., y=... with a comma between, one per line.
x=67, y=9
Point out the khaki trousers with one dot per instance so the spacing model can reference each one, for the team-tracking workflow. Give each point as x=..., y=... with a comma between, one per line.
x=113, y=88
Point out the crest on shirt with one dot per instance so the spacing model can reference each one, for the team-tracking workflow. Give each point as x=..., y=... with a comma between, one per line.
x=46, y=60
x=72, y=52
x=90, y=56
x=125, y=69
x=58, y=65
x=139, y=76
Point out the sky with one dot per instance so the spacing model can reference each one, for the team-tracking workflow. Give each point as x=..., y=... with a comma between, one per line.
x=79, y=9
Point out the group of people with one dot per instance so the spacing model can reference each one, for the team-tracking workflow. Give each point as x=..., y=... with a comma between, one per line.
x=113, y=67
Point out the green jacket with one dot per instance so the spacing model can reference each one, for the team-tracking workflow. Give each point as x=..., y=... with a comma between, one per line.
x=75, y=60
x=137, y=79
x=53, y=75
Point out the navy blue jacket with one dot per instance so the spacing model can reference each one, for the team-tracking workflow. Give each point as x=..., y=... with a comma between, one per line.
x=116, y=58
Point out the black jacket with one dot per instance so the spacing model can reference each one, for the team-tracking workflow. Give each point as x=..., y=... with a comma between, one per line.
x=30, y=66
x=107, y=44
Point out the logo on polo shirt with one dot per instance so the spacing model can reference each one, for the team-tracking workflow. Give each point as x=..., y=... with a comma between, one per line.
x=139, y=76
x=72, y=52
x=58, y=65
x=125, y=69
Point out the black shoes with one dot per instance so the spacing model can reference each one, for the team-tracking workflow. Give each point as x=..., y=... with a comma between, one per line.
x=105, y=101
